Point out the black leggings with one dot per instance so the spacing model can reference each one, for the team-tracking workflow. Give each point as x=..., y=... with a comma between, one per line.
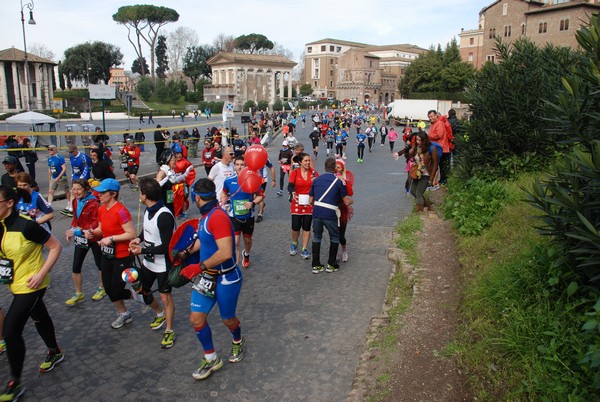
x=339, y=149
x=22, y=307
x=392, y=146
x=361, y=150
x=303, y=222
x=112, y=268
x=79, y=256
x=343, y=226
x=371, y=142
x=383, y=138
x=281, y=177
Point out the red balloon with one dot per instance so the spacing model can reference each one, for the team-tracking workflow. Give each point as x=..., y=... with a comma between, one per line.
x=256, y=157
x=249, y=180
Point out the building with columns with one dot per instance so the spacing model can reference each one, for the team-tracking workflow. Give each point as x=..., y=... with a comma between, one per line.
x=13, y=87
x=239, y=77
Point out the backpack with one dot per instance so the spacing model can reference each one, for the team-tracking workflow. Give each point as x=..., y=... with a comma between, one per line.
x=440, y=150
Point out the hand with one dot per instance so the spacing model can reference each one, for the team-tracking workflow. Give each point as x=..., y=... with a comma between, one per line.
x=34, y=281
x=88, y=234
x=191, y=271
x=135, y=247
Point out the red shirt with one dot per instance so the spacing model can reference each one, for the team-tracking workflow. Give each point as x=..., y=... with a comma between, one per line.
x=301, y=186
x=133, y=155
x=112, y=221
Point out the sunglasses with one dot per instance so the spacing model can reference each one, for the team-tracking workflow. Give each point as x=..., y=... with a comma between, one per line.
x=231, y=153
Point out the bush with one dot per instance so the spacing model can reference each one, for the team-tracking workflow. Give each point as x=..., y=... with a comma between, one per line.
x=192, y=97
x=202, y=105
x=277, y=105
x=263, y=105
x=250, y=104
x=145, y=88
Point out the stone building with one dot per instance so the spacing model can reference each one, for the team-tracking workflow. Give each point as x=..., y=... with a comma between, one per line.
x=121, y=79
x=550, y=21
x=332, y=65
x=239, y=77
x=14, y=95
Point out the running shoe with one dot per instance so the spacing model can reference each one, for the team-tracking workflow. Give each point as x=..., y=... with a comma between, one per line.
x=358, y=160
x=207, y=368
x=317, y=269
x=293, y=248
x=67, y=212
x=305, y=254
x=168, y=340
x=331, y=268
x=279, y=193
x=237, y=351
x=12, y=392
x=121, y=320
x=344, y=255
x=245, y=260
x=259, y=218
x=433, y=188
x=99, y=295
x=77, y=298
x=158, y=322
x=51, y=361
x=2, y=346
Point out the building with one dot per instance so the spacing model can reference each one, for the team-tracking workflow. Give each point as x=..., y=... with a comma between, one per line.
x=550, y=21
x=14, y=93
x=351, y=70
x=239, y=77
x=121, y=79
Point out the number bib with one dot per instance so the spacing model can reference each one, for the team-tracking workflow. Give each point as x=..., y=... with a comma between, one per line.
x=76, y=170
x=81, y=242
x=7, y=271
x=206, y=284
x=108, y=251
x=239, y=208
x=169, y=197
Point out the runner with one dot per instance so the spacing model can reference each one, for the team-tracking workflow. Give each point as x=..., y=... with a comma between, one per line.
x=132, y=153
x=21, y=242
x=33, y=205
x=181, y=192
x=57, y=174
x=222, y=170
x=220, y=278
x=85, y=218
x=330, y=139
x=208, y=156
x=153, y=243
x=241, y=209
x=299, y=186
x=81, y=168
x=315, y=136
x=360, y=145
x=285, y=164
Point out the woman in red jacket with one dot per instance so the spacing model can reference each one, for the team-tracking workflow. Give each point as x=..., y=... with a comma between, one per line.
x=85, y=217
x=347, y=177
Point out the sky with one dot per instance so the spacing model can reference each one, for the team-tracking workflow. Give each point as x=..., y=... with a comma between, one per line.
x=61, y=24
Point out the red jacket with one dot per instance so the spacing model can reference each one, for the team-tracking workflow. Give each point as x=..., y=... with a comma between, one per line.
x=437, y=133
x=88, y=219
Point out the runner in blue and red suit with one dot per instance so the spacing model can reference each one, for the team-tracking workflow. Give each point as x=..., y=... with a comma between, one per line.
x=217, y=277
x=241, y=209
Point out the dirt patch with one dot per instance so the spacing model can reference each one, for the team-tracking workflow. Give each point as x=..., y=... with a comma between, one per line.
x=416, y=368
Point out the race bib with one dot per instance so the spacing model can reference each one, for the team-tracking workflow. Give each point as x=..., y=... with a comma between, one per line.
x=207, y=155
x=206, y=284
x=7, y=271
x=76, y=170
x=239, y=208
x=81, y=242
x=53, y=170
x=108, y=251
x=169, y=196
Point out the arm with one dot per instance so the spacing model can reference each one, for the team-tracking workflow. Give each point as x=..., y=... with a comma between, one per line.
x=54, y=247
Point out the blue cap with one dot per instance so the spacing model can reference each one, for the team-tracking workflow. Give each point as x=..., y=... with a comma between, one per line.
x=176, y=148
x=108, y=185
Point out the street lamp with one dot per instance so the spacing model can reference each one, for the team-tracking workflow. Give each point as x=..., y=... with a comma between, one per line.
x=30, y=22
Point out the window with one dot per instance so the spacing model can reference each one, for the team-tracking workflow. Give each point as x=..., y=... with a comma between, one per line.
x=492, y=33
x=522, y=29
x=507, y=31
x=338, y=49
x=331, y=61
x=564, y=25
x=316, y=84
x=309, y=49
x=504, y=9
x=470, y=58
x=331, y=84
x=331, y=48
x=316, y=73
x=471, y=41
x=331, y=73
x=490, y=57
x=370, y=63
x=543, y=27
x=323, y=47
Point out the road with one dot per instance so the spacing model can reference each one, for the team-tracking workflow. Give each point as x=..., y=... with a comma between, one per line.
x=304, y=331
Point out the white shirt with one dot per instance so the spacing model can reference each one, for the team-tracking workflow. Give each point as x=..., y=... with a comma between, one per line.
x=218, y=174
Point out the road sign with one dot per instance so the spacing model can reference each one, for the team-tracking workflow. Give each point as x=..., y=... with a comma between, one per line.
x=57, y=105
x=227, y=111
x=102, y=91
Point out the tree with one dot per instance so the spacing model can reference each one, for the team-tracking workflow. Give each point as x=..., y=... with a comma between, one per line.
x=91, y=62
x=140, y=68
x=306, y=90
x=224, y=43
x=144, y=88
x=145, y=17
x=41, y=50
x=61, y=77
x=177, y=43
x=167, y=91
x=194, y=62
x=162, y=60
x=253, y=43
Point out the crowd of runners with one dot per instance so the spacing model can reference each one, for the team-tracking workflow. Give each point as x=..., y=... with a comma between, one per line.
x=319, y=187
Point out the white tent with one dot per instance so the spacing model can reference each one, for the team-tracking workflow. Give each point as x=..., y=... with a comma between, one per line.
x=31, y=118
x=34, y=118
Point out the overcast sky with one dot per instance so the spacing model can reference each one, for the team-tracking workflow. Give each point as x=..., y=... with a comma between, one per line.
x=292, y=23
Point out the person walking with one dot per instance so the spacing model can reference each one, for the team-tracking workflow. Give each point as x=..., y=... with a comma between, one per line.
x=57, y=174
x=299, y=185
x=153, y=243
x=31, y=157
x=425, y=169
x=159, y=142
x=392, y=137
x=21, y=243
x=326, y=193
x=150, y=117
x=220, y=279
x=85, y=217
x=383, y=131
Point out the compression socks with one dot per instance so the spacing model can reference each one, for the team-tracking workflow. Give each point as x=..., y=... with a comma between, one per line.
x=204, y=335
x=236, y=330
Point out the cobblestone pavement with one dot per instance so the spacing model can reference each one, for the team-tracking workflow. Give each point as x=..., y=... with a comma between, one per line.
x=304, y=331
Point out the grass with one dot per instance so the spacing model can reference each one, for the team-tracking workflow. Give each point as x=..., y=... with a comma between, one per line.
x=521, y=337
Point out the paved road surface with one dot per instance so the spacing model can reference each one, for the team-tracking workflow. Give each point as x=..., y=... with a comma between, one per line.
x=304, y=331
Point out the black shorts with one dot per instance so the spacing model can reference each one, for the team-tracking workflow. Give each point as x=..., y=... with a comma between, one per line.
x=161, y=278
x=301, y=222
x=133, y=169
x=246, y=226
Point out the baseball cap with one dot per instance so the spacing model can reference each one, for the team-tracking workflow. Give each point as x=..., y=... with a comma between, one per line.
x=108, y=185
x=10, y=159
x=285, y=143
x=51, y=146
